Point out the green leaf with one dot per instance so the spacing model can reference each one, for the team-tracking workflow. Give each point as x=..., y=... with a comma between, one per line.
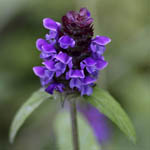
x=63, y=131
x=106, y=104
x=26, y=109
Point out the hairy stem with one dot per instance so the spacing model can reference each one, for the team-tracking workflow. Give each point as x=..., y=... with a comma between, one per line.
x=73, y=114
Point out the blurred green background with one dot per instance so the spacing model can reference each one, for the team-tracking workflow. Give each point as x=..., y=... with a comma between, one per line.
x=127, y=77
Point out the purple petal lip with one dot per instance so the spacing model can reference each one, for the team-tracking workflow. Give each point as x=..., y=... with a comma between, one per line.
x=89, y=61
x=39, y=43
x=48, y=48
x=52, y=35
x=45, y=55
x=102, y=40
x=39, y=71
x=54, y=86
x=47, y=77
x=50, y=24
x=86, y=90
x=101, y=64
x=76, y=73
x=91, y=69
x=100, y=49
x=63, y=57
x=88, y=80
x=60, y=68
x=82, y=65
x=44, y=81
x=66, y=42
x=75, y=83
x=50, y=65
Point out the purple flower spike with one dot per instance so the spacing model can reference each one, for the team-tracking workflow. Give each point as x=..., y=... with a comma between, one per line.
x=50, y=24
x=66, y=42
x=39, y=43
x=76, y=73
x=102, y=40
x=63, y=57
x=39, y=71
x=72, y=58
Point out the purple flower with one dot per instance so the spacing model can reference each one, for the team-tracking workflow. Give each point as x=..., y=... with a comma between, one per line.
x=44, y=74
x=76, y=73
x=66, y=42
x=50, y=65
x=39, y=71
x=75, y=82
x=101, y=40
x=50, y=24
x=60, y=68
x=39, y=43
x=86, y=90
x=98, y=45
x=63, y=57
x=72, y=58
x=54, y=86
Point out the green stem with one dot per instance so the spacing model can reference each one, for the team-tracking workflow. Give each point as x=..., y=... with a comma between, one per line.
x=73, y=114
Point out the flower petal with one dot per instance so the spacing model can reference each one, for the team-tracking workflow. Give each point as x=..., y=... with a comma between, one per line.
x=99, y=49
x=49, y=64
x=39, y=71
x=86, y=90
x=45, y=55
x=50, y=89
x=47, y=78
x=75, y=83
x=76, y=73
x=60, y=68
x=102, y=40
x=39, y=43
x=66, y=41
x=88, y=80
x=89, y=61
x=54, y=86
x=91, y=69
x=48, y=48
x=63, y=57
x=101, y=64
x=50, y=24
